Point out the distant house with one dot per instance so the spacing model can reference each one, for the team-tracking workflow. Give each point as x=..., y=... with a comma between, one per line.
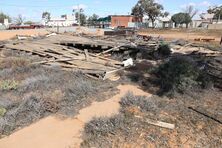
x=4, y=25
x=160, y=22
x=206, y=20
x=63, y=21
x=123, y=20
x=104, y=22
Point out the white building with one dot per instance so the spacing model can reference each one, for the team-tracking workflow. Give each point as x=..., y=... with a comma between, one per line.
x=160, y=22
x=64, y=21
x=205, y=21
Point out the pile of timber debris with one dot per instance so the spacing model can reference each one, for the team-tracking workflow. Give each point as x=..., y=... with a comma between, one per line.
x=69, y=58
x=89, y=55
x=95, y=56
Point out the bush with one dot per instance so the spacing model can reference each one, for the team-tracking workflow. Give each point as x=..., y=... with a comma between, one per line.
x=164, y=50
x=2, y=111
x=180, y=74
x=8, y=85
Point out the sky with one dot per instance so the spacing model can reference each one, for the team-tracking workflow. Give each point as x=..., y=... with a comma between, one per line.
x=32, y=9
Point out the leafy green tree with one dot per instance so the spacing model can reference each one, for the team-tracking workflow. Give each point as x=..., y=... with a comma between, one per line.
x=4, y=16
x=178, y=19
x=150, y=8
x=137, y=11
x=181, y=18
x=187, y=19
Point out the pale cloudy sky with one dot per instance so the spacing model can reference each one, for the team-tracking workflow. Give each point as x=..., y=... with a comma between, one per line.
x=32, y=9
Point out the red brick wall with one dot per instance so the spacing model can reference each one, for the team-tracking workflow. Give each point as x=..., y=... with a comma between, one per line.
x=121, y=20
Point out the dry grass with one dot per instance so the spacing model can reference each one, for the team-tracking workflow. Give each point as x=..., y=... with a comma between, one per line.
x=42, y=91
x=130, y=129
x=13, y=62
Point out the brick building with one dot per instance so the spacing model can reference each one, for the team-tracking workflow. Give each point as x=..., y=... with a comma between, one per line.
x=123, y=20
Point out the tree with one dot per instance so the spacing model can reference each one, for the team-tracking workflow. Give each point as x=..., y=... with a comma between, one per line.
x=3, y=17
x=92, y=20
x=19, y=20
x=29, y=23
x=181, y=18
x=80, y=17
x=177, y=19
x=137, y=11
x=187, y=19
x=191, y=11
x=149, y=8
x=46, y=16
x=217, y=10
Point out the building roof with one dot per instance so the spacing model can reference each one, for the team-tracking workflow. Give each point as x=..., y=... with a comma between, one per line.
x=122, y=15
x=57, y=19
x=207, y=16
x=162, y=19
x=105, y=19
x=165, y=19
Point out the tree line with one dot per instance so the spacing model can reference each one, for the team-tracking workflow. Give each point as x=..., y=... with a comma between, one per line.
x=153, y=10
x=149, y=8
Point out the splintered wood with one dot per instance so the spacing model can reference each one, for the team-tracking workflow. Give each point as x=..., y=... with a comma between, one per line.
x=69, y=58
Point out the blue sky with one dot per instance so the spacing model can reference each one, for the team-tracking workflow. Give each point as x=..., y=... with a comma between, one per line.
x=32, y=9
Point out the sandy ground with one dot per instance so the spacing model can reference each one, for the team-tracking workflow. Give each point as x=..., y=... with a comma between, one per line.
x=56, y=132
x=8, y=34
x=184, y=34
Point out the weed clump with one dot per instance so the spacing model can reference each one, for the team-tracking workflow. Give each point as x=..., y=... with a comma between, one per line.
x=2, y=111
x=144, y=103
x=8, y=85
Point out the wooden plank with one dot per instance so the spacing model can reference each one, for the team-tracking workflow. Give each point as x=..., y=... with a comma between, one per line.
x=159, y=123
x=16, y=47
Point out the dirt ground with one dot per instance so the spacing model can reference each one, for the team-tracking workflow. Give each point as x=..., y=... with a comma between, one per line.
x=184, y=34
x=8, y=34
x=68, y=133
x=58, y=108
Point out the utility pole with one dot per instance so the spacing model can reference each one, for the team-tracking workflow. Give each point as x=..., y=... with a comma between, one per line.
x=79, y=15
x=78, y=10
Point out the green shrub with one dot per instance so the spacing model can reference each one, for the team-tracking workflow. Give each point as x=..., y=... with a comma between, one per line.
x=164, y=50
x=8, y=85
x=2, y=111
x=180, y=74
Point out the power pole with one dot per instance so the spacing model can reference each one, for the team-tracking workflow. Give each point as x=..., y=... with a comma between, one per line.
x=79, y=15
